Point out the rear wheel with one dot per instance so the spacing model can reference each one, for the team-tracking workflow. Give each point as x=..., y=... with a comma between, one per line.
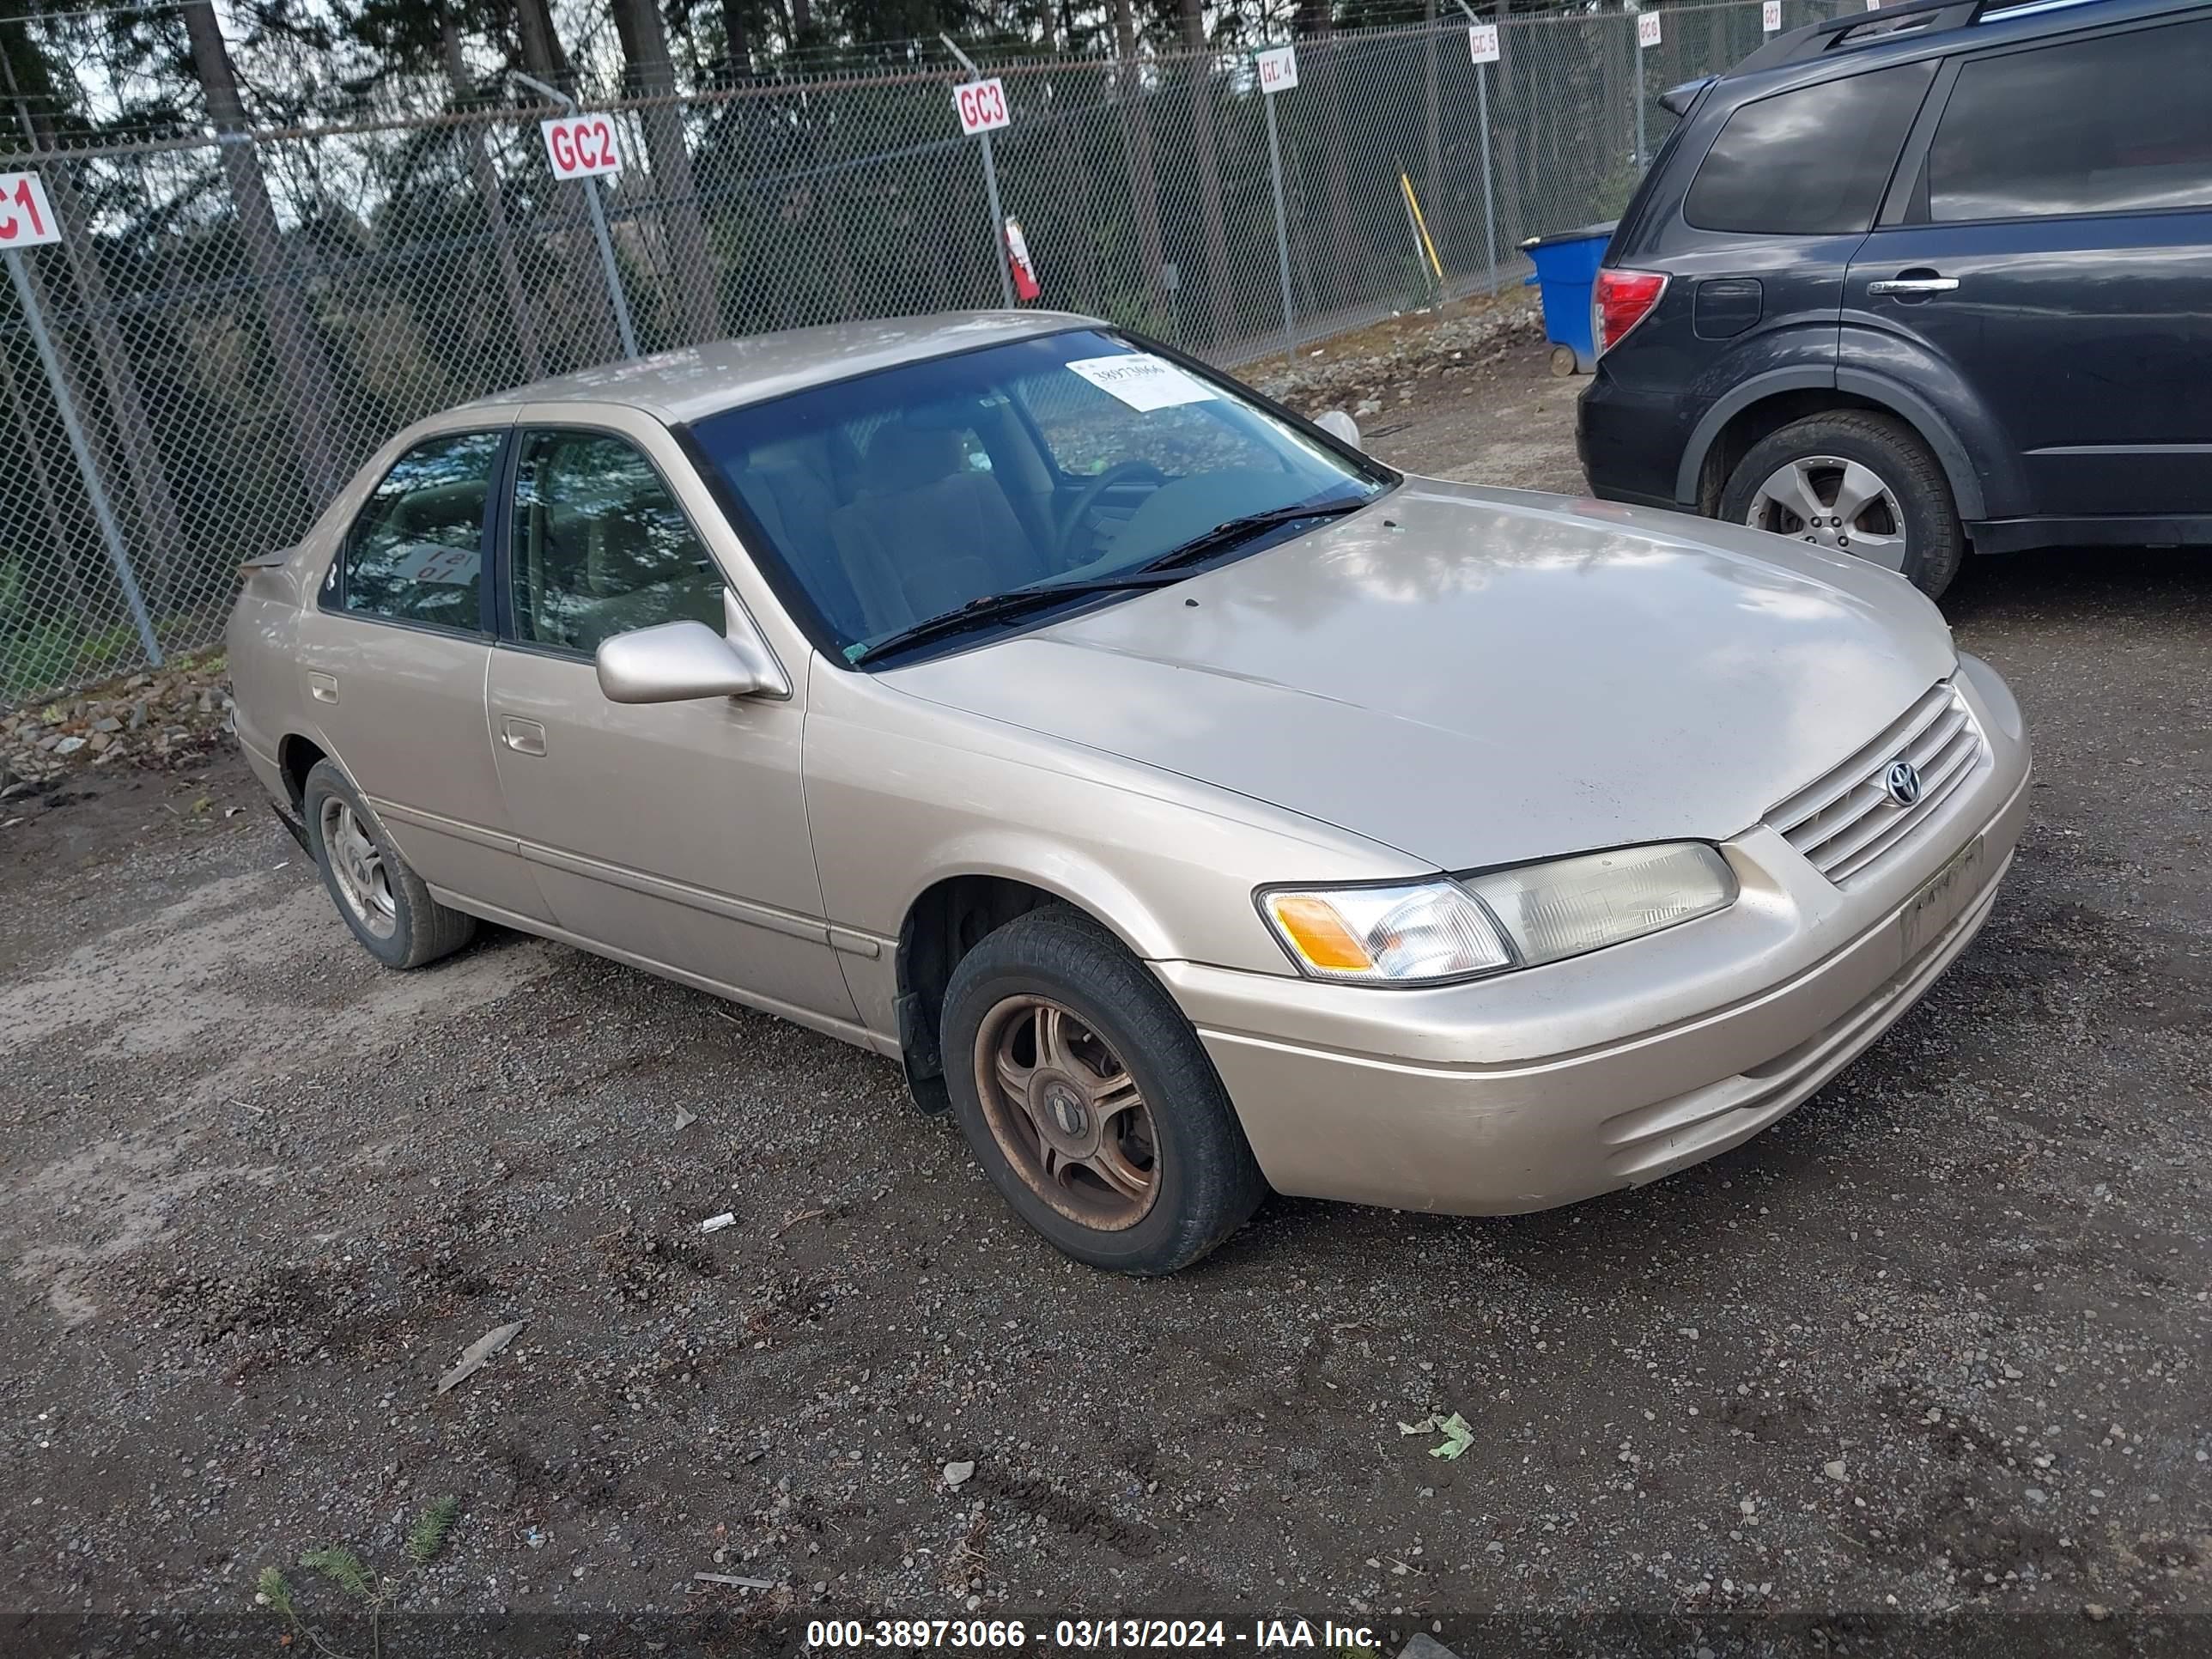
x=1086, y=1097
x=1854, y=482
x=377, y=893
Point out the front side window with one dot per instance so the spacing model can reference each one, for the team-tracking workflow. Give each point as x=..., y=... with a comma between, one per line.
x=416, y=551
x=1812, y=162
x=2122, y=124
x=896, y=497
x=598, y=546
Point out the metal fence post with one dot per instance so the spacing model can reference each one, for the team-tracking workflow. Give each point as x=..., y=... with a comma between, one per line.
x=1282, y=232
x=615, y=298
x=110, y=532
x=990, y=188
x=1482, y=124
x=1638, y=44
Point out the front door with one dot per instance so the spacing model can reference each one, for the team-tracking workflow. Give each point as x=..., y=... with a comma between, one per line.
x=673, y=833
x=394, y=654
x=2054, y=253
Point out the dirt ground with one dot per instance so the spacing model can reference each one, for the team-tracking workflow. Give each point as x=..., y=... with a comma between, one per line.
x=1920, y=1369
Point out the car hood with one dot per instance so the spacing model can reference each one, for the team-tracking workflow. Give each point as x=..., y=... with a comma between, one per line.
x=1477, y=676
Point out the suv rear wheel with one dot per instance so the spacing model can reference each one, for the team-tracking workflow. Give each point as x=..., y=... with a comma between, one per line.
x=1857, y=483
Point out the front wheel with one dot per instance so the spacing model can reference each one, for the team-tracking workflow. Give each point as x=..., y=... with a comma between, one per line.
x=1854, y=482
x=1086, y=1097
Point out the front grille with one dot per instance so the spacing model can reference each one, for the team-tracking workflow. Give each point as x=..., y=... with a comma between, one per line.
x=1846, y=824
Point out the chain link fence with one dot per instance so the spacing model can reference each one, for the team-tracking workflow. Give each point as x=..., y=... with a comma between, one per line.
x=227, y=326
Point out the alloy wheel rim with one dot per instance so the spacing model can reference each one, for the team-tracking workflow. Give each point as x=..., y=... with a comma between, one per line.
x=1844, y=506
x=357, y=865
x=1066, y=1112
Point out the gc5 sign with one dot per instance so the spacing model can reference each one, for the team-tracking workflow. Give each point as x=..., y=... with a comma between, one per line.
x=581, y=146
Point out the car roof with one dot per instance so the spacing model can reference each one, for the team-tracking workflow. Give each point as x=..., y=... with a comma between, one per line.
x=1851, y=40
x=695, y=381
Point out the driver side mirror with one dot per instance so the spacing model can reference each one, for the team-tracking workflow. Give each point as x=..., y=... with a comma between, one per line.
x=1340, y=426
x=687, y=661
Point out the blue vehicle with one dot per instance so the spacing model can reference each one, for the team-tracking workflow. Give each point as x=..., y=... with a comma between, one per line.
x=1930, y=279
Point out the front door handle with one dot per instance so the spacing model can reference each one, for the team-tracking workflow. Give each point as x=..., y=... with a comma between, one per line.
x=1913, y=282
x=522, y=736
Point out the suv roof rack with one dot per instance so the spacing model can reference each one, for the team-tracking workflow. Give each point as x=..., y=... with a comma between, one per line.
x=1914, y=17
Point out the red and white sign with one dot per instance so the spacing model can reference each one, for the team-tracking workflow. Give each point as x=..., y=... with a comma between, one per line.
x=582, y=146
x=982, y=107
x=1277, y=67
x=1019, y=262
x=1770, y=17
x=1873, y=5
x=1647, y=29
x=27, y=218
x=1482, y=43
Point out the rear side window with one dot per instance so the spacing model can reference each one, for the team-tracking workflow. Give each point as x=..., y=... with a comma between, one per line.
x=415, y=552
x=1812, y=162
x=2117, y=124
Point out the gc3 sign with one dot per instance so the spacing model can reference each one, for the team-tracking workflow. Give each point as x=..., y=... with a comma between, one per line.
x=982, y=106
x=581, y=146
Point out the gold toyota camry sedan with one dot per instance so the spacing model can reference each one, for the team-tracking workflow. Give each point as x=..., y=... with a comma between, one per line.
x=1191, y=804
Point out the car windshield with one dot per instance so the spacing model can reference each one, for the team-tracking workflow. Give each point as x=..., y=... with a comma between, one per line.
x=895, y=498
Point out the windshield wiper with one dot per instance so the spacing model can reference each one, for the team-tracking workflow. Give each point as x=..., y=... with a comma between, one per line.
x=1230, y=531
x=995, y=607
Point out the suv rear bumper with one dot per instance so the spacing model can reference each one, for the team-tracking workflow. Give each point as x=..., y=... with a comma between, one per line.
x=1630, y=443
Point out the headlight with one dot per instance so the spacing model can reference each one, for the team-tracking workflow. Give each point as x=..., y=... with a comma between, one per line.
x=1420, y=932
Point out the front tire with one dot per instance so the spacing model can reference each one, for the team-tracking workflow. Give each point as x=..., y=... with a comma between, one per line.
x=1086, y=1097
x=377, y=892
x=1855, y=482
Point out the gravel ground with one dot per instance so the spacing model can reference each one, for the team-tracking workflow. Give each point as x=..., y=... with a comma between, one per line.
x=1919, y=1369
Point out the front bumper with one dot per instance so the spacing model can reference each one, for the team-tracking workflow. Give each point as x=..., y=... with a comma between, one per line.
x=1556, y=1083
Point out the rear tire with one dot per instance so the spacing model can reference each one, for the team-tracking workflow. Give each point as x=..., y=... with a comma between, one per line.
x=1822, y=447
x=1118, y=1142
x=377, y=892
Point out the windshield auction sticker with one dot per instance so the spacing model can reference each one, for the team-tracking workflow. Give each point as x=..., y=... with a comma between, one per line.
x=1143, y=381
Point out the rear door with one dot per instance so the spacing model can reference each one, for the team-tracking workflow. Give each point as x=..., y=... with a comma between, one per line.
x=2051, y=245
x=394, y=653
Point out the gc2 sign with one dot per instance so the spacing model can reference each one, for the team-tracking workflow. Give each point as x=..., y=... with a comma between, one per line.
x=1278, y=69
x=982, y=107
x=27, y=218
x=1482, y=43
x=581, y=146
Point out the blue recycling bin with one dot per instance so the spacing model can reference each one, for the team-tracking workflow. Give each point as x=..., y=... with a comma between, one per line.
x=1566, y=263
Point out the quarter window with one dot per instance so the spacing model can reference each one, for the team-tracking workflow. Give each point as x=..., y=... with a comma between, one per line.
x=600, y=547
x=2117, y=124
x=1812, y=162
x=415, y=552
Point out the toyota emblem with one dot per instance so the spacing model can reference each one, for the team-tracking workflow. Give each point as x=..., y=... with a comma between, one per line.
x=1901, y=783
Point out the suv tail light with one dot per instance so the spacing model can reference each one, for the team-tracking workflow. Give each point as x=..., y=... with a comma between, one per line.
x=1622, y=300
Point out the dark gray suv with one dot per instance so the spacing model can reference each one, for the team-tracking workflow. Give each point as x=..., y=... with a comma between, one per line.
x=1928, y=279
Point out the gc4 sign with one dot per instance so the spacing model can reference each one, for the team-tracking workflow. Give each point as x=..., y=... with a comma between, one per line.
x=1278, y=69
x=1770, y=17
x=27, y=218
x=581, y=146
x=1647, y=29
x=1482, y=43
x=982, y=107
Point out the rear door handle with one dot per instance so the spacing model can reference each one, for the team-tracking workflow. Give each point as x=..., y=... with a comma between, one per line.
x=522, y=736
x=323, y=688
x=1913, y=284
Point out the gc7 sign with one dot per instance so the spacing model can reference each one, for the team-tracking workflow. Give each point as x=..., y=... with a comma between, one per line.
x=581, y=146
x=982, y=106
x=27, y=218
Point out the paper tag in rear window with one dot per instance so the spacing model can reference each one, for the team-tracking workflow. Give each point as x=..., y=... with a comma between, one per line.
x=1143, y=381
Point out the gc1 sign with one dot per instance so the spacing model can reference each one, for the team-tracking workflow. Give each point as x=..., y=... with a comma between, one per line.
x=1482, y=43
x=581, y=146
x=27, y=218
x=1770, y=17
x=1647, y=29
x=982, y=107
x=1278, y=69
